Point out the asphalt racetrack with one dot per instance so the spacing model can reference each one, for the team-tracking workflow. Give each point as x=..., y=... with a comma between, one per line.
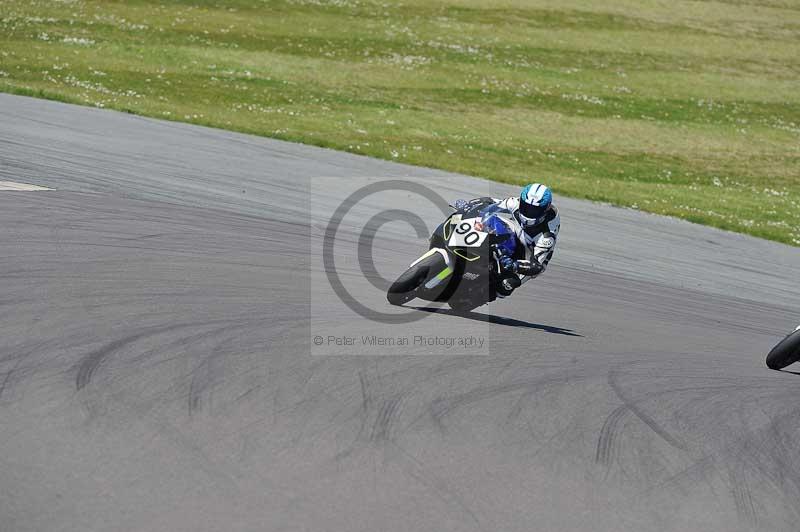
x=158, y=369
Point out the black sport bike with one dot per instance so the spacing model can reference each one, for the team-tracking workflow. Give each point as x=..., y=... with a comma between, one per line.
x=462, y=266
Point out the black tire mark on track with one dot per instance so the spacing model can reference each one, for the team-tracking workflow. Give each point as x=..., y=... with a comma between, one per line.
x=605, y=451
x=643, y=416
x=608, y=434
x=366, y=401
x=204, y=375
x=9, y=373
x=764, y=454
x=384, y=421
x=443, y=406
x=91, y=361
x=742, y=497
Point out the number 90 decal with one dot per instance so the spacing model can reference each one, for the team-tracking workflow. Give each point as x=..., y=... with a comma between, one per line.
x=465, y=235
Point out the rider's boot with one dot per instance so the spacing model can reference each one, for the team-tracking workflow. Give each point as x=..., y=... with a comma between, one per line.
x=507, y=285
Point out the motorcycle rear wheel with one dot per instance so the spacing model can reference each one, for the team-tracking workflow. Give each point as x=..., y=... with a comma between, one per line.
x=786, y=352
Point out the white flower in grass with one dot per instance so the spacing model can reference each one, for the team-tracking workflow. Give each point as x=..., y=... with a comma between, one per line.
x=583, y=98
x=78, y=40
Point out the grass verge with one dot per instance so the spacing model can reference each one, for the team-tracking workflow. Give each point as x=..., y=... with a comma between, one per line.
x=691, y=110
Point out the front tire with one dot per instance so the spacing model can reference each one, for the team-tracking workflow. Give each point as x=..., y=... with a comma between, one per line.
x=785, y=353
x=405, y=288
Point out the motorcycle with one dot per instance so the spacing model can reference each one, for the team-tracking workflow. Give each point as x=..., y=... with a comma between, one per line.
x=462, y=265
x=786, y=352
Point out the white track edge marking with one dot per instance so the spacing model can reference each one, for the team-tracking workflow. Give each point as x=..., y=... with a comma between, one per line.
x=20, y=187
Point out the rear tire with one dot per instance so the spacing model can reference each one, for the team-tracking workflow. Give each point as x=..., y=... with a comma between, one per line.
x=404, y=289
x=785, y=353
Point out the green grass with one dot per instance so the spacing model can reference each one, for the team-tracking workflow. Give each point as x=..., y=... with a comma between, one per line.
x=686, y=108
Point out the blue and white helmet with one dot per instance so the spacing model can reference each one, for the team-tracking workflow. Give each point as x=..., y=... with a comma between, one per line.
x=534, y=200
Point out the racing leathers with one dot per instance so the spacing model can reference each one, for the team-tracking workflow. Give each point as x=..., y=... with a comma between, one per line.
x=538, y=241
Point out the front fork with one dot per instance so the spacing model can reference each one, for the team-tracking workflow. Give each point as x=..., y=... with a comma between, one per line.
x=506, y=282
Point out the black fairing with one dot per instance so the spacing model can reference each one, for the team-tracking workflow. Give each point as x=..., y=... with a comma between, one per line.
x=479, y=284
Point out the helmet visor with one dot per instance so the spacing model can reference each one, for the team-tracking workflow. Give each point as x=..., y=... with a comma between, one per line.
x=531, y=213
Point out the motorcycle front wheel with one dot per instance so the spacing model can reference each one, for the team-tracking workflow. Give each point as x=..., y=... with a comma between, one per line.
x=786, y=352
x=405, y=288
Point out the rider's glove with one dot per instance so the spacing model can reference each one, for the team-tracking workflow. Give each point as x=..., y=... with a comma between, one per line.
x=461, y=205
x=508, y=264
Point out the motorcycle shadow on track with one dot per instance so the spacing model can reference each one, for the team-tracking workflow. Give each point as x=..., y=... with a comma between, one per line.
x=509, y=322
